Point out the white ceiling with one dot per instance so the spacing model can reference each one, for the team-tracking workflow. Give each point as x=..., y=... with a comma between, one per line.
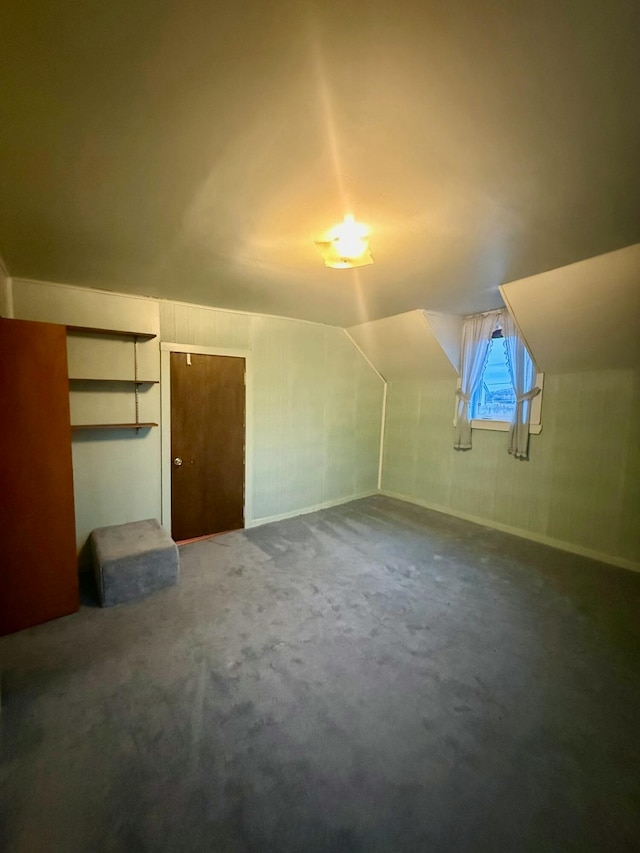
x=194, y=150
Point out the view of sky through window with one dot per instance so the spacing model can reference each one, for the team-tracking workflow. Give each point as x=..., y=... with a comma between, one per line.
x=495, y=399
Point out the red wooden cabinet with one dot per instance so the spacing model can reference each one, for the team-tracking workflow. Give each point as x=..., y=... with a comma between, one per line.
x=38, y=564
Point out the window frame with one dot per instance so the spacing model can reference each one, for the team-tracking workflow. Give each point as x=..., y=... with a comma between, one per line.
x=535, y=422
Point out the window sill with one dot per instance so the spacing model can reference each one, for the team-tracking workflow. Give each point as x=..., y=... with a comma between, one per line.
x=503, y=426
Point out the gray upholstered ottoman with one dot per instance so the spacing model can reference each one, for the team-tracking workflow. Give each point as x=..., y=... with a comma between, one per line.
x=132, y=560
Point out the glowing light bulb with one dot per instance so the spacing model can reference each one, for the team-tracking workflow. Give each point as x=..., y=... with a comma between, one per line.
x=346, y=245
x=349, y=238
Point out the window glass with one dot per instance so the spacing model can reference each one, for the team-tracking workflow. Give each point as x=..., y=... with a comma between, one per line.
x=495, y=399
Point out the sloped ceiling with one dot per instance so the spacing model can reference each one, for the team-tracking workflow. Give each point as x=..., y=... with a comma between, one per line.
x=194, y=150
x=403, y=347
x=585, y=316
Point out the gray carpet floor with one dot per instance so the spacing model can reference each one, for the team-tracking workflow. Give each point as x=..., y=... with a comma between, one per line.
x=373, y=677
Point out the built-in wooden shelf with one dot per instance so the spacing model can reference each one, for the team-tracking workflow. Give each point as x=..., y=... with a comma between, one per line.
x=134, y=382
x=104, y=379
x=116, y=333
x=133, y=425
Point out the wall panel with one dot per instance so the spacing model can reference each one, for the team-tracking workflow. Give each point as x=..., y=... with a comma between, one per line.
x=77, y=306
x=579, y=487
x=192, y=324
x=312, y=390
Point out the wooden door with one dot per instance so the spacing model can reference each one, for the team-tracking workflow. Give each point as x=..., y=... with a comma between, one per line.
x=207, y=444
x=38, y=564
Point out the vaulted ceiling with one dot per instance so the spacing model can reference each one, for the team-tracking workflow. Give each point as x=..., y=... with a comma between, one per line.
x=194, y=150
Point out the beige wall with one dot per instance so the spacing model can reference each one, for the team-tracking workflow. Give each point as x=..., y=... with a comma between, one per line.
x=316, y=429
x=580, y=488
x=316, y=404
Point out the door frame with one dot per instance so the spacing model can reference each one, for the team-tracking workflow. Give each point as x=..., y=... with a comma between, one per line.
x=165, y=420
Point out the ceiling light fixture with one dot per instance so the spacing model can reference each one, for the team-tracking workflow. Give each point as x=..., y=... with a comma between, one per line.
x=346, y=245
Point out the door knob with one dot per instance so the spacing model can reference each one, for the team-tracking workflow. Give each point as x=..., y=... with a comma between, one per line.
x=177, y=462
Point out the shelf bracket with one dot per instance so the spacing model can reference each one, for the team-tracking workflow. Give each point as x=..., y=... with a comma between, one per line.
x=135, y=376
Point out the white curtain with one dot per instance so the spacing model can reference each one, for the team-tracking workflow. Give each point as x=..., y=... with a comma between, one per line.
x=476, y=339
x=523, y=376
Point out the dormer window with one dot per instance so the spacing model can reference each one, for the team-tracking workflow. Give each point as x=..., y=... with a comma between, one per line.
x=495, y=398
x=498, y=388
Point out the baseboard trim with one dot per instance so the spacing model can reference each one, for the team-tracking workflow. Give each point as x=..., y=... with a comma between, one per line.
x=282, y=516
x=619, y=562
